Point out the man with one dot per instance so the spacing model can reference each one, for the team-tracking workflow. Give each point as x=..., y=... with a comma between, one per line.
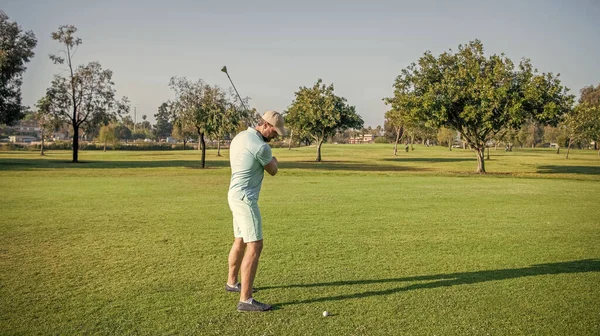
x=249, y=156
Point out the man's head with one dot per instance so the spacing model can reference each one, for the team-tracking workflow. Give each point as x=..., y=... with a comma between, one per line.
x=271, y=125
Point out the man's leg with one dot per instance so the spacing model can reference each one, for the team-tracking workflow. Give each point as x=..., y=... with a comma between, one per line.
x=235, y=260
x=249, y=267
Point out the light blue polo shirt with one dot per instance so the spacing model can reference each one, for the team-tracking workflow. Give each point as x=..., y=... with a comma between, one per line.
x=248, y=154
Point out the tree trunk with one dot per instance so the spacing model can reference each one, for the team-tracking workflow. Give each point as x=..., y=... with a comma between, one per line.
x=75, y=142
x=480, y=160
x=42, y=149
x=488, y=152
x=203, y=150
x=397, y=139
x=449, y=144
x=569, y=148
x=291, y=137
x=218, y=146
x=184, y=142
x=105, y=144
x=319, y=143
x=557, y=149
x=412, y=141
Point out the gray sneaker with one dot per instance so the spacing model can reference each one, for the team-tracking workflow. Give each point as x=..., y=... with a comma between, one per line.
x=253, y=306
x=235, y=288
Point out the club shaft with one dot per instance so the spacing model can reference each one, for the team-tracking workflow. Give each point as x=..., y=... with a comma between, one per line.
x=236, y=91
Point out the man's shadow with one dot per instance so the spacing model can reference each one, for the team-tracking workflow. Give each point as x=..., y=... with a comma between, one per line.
x=446, y=280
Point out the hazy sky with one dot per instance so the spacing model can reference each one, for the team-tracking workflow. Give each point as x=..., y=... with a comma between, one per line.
x=271, y=48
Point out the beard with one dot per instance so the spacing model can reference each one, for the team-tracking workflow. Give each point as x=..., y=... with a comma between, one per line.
x=268, y=139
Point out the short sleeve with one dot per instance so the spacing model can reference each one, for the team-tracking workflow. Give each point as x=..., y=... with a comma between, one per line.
x=264, y=155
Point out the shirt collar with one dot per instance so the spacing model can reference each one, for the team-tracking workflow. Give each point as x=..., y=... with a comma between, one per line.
x=256, y=133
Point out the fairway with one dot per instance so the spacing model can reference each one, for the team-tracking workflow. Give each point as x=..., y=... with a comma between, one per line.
x=415, y=244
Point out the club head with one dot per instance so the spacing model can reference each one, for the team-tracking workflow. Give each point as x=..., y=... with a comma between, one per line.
x=224, y=69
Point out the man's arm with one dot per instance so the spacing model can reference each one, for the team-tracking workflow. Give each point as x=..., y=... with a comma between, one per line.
x=272, y=167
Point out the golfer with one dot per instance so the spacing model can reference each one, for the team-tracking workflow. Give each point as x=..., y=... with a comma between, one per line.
x=249, y=156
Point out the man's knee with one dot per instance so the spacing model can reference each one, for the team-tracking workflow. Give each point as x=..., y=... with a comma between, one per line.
x=254, y=247
x=239, y=242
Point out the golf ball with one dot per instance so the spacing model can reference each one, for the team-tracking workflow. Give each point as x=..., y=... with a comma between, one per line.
x=325, y=313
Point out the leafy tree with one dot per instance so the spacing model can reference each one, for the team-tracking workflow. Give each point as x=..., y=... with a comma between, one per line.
x=107, y=135
x=46, y=120
x=122, y=132
x=128, y=122
x=319, y=113
x=555, y=135
x=531, y=134
x=395, y=119
x=138, y=134
x=582, y=124
x=201, y=107
x=86, y=96
x=164, y=125
x=478, y=96
x=230, y=117
x=16, y=49
x=590, y=99
x=183, y=131
x=446, y=136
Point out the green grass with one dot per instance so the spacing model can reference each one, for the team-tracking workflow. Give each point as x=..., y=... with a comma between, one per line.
x=137, y=243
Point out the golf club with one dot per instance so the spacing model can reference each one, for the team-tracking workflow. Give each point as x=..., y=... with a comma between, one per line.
x=224, y=69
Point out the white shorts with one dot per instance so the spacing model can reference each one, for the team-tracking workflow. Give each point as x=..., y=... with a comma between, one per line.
x=247, y=222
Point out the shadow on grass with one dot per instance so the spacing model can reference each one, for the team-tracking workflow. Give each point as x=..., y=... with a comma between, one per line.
x=345, y=165
x=430, y=160
x=39, y=163
x=446, y=280
x=569, y=170
x=31, y=164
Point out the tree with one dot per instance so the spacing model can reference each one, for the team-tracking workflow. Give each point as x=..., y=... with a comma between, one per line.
x=45, y=118
x=86, y=96
x=531, y=134
x=107, y=134
x=478, y=96
x=16, y=49
x=199, y=106
x=446, y=136
x=164, y=125
x=582, y=124
x=183, y=131
x=395, y=119
x=555, y=135
x=590, y=98
x=122, y=132
x=318, y=112
x=229, y=122
x=423, y=132
x=128, y=122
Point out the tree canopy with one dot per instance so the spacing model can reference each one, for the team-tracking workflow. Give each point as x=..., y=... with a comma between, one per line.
x=478, y=96
x=319, y=113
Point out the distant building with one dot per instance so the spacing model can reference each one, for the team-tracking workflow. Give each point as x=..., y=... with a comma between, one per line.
x=21, y=139
x=25, y=127
x=362, y=139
